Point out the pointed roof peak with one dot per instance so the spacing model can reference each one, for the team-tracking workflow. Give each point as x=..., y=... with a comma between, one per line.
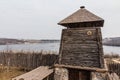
x=81, y=16
x=82, y=7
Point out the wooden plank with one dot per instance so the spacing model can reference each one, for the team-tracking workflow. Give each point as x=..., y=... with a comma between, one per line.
x=78, y=31
x=37, y=74
x=83, y=41
x=82, y=68
x=92, y=63
x=79, y=38
x=80, y=51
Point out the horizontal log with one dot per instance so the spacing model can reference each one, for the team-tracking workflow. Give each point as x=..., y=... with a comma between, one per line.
x=83, y=64
x=70, y=41
x=79, y=38
x=88, y=57
x=79, y=46
x=78, y=31
x=80, y=57
x=80, y=51
x=82, y=68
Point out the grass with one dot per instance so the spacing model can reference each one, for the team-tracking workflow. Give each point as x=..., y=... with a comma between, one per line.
x=8, y=73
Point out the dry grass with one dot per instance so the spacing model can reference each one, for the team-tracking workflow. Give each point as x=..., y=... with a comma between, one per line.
x=112, y=56
x=8, y=73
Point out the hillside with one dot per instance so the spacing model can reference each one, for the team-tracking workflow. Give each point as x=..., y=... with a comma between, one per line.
x=42, y=41
x=112, y=41
x=7, y=41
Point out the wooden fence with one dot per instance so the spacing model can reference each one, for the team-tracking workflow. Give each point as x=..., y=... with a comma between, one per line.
x=114, y=67
x=28, y=60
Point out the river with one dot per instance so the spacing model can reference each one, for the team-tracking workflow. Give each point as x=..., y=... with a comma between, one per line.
x=50, y=47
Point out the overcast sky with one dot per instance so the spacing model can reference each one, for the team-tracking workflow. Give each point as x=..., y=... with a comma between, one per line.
x=37, y=19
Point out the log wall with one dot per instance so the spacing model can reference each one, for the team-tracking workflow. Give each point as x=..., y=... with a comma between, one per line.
x=81, y=47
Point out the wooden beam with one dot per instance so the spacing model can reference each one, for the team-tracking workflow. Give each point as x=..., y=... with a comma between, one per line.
x=81, y=68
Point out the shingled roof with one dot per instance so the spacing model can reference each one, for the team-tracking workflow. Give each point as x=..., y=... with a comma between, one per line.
x=81, y=16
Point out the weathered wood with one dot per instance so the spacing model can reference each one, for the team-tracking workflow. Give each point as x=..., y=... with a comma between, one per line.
x=81, y=45
x=40, y=73
x=114, y=67
x=100, y=47
x=81, y=68
x=27, y=60
x=82, y=18
x=80, y=48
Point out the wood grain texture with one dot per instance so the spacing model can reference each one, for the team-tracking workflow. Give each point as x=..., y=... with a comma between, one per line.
x=82, y=18
x=80, y=49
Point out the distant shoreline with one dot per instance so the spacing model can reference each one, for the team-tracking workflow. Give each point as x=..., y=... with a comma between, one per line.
x=7, y=41
x=115, y=41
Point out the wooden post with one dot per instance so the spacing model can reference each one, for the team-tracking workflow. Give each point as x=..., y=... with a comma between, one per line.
x=61, y=74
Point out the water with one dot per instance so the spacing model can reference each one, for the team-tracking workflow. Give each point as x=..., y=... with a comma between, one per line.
x=50, y=47
x=111, y=50
x=31, y=47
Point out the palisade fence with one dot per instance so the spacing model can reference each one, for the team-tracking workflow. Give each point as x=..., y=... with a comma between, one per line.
x=28, y=60
x=32, y=60
x=114, y=67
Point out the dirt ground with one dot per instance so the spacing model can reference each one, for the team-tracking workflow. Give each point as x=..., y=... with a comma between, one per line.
x=7, y=73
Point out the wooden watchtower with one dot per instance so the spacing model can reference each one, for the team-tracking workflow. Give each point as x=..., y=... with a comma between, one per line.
x=81, y=50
